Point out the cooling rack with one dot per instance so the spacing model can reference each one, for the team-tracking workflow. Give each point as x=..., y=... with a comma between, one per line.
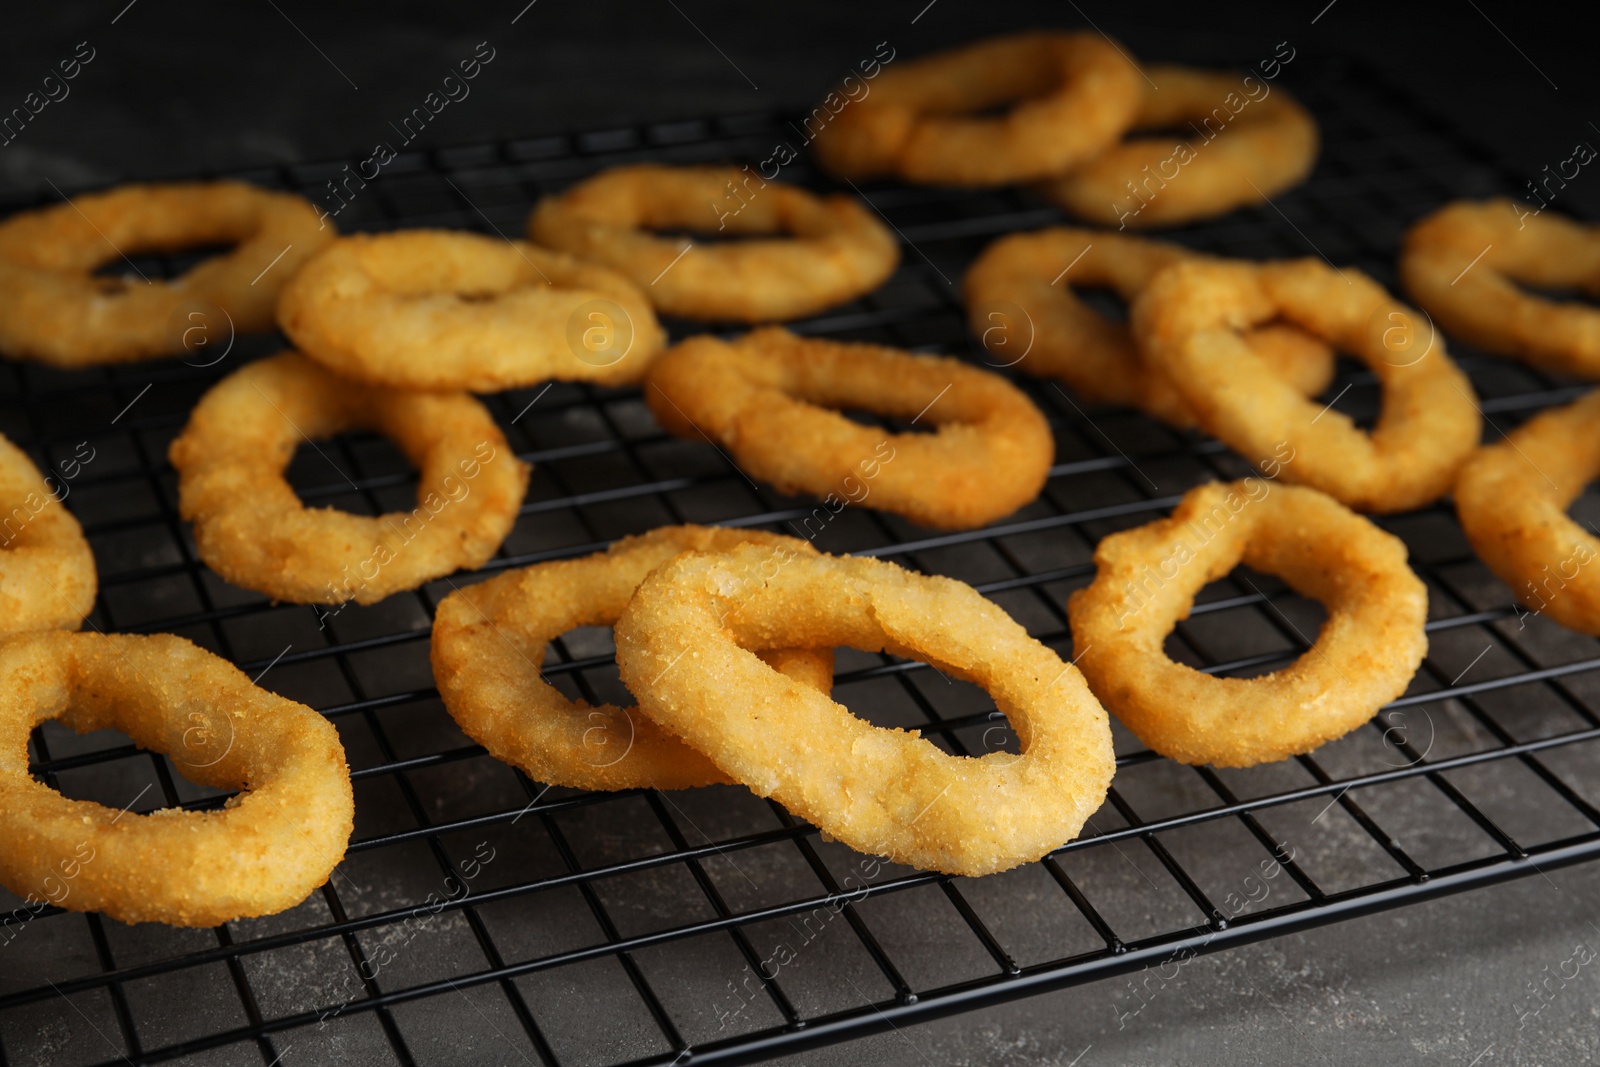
x=483, y=917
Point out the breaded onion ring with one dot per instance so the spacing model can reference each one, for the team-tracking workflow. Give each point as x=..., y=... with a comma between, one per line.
x=832, y=250
x=1061, y=336
x=1512, y=499
x=261, y=853
x=687, y=644
x=252, y=529
x=765, y=398
x=489, y=641
x=1463, y=263
x=1249, y=145
x=54, y=309
x=1146, y=580
x=47, y=573
x=436, y=309
x=1074, y=95
x=1187, y=322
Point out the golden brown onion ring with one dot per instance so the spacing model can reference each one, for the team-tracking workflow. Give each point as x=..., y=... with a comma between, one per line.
x=1463, y=263
x=1073, y=95
x=1188, y=323
x=54, y=309
x=687, y=644
x=1146, y=580
x=766, y=398
x=262, y=853
x=435, y=309
x=251, y=528
x=794, y=253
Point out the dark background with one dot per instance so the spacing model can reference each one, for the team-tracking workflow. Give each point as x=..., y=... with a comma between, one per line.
x=184, y=87
x=180, y=88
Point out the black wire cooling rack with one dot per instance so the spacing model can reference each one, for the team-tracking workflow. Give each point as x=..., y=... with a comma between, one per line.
x=481, y=917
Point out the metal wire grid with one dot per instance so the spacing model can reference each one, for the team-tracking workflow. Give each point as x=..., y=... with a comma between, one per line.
x=652, y=928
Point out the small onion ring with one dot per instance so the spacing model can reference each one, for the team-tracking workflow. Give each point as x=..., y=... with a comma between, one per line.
x=1146, y=580
x=1074, y=95
x=765, y=398
x=686, y=647
x=1187, y=323
x=833, y=249
x=443, y=310
x=489, y=642
x=251, y=528
x=53, y=308
x=1512, y=499
x=1267, y=145
x=1462, y=265
x=262, y=853
x=47, y=573
x=1066, y=338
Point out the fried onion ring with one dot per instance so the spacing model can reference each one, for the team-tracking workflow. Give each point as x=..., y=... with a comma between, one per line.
x=687, y=644
x=251, y=528
x=47, y=573
x=1512, y=499
x=1463, y=263
x=1249, y=145
x=1146, y=580
x=833, y=249
x=764, y=397
x=261, y=853
x=489, y=641
x=1074, y=95
x=1187, y=323
x=1063, y=337
x=436, y=309
x=54, y=309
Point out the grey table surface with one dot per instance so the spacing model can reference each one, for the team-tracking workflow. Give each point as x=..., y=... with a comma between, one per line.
x=176, y=88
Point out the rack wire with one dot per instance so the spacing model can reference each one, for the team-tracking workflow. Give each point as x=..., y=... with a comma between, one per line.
x=708, y=925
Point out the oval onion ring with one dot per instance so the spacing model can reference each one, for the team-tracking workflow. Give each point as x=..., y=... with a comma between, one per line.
x=435, y=309
x=54, y=309
x=1512, y=499
x=1063, y=337
x=489, y=644
x=1463, y=263
x=1074, y=95
x=833, y=250
x=251, y=528
x=47, y=573
x=263, y=852
x=686, y=646
x=1187, y=322
x=1146, y=580
x=1248, y=147
x=765, y=398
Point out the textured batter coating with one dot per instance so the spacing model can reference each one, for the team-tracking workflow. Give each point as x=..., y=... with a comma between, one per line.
x=1187, y=323
x=54, y=308
x=489, y=642
x=436, y=309
x=1074, y=94
x=1463, y=263
x=687, y=645
x=1252, y=142
x=765, y=398
x=261, y=853
x=1146, y=580
x=47, y=572
x=251, y=528
x=1512, y=499
x=831, y=249
x=1021, y=304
